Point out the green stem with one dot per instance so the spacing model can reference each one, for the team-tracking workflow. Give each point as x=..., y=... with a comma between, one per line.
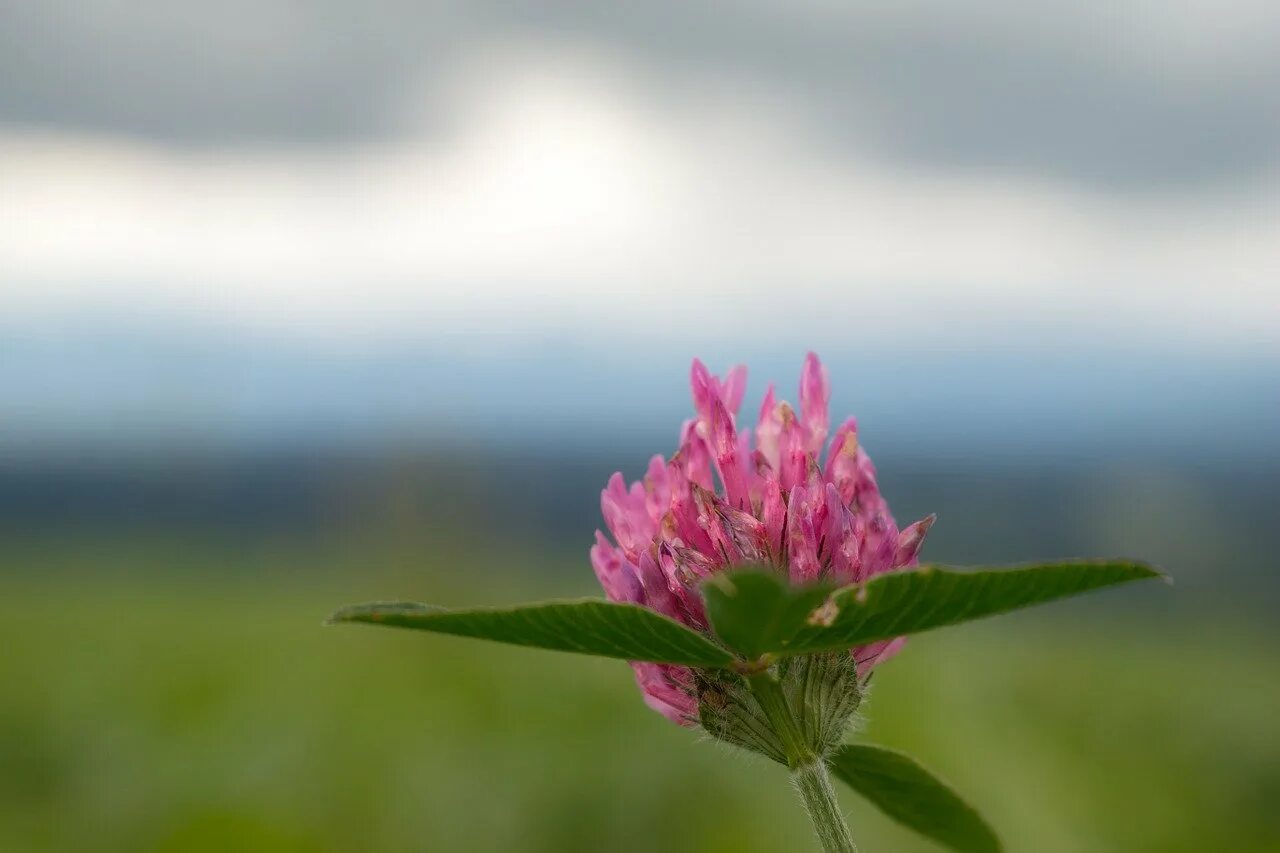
x=808, y=771
x=814, y=784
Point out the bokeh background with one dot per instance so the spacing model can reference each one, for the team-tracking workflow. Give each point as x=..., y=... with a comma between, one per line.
x=307, y=303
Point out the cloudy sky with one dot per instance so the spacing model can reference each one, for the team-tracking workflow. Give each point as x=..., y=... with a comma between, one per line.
x=635, y=177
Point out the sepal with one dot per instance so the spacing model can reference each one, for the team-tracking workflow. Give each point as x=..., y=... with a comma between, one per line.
x=729, y=711
x=823, y=692
x=820, y=693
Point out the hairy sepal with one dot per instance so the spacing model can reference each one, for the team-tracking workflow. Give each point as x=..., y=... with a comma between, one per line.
x=821, y=691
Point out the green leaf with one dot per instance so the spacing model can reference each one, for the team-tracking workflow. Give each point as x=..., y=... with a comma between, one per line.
x=908, y=602
x=588, y=626
x=754, y=611
x=911, y=795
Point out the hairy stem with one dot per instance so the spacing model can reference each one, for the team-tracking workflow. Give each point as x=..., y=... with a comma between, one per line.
x=814, y=784
x=808, y=770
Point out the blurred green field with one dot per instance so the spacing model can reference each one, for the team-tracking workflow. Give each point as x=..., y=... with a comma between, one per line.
x=208, y=709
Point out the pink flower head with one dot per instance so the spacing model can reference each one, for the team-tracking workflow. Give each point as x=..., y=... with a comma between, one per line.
x=720, y=502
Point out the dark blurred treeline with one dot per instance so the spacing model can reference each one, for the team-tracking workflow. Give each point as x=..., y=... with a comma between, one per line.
x=1214, y=528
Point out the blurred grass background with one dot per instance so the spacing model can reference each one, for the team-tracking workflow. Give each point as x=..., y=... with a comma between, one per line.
x=148, y=706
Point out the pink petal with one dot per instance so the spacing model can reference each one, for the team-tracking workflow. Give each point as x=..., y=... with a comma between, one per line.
x=842, y=460
x=683, y=583
x=615, y=506
x=794, y=458
x=708, y=507
x=734, y=388
x=802, y=540
x=773, y=513
x=668, y=690
x=744, y=534
x=693, y=457
x=837, y=520
x=815, y=394
x=769, y=430
x=879, y=545
x=683, y=520
x=657, y=592
x=846, y=558
x=657, y=489
x=617, y=577
x=703, y=385
x=724, y=442
x=870, y=656
x=911, y=539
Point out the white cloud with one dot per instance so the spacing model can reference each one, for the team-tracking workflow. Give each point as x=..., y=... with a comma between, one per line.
x=568, y=198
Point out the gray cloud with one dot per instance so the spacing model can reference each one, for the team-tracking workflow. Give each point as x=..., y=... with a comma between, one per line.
x=1121, y=96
